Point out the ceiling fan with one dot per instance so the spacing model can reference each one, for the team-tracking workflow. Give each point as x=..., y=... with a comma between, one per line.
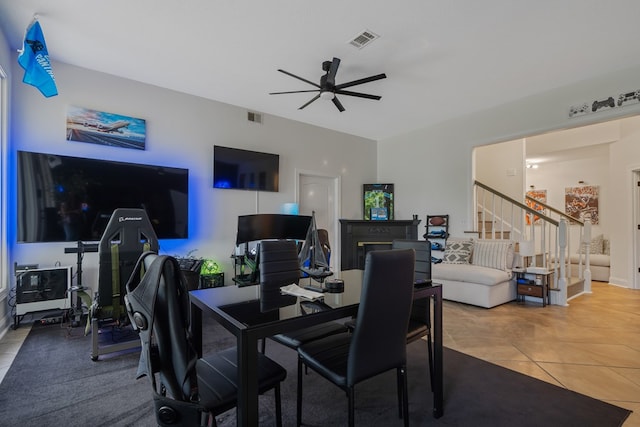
x=328, y=89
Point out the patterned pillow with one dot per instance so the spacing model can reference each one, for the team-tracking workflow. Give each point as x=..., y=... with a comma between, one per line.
x=606, y=248
x=457, y=252
x=496, y=254
x=596, y=247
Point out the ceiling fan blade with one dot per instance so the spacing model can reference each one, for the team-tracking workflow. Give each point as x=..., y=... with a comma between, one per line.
x=293, y=91
x=313, y=99
x=361, y=81
x=338, y=104
x=299, y=78
x=333, y=69
x=358, y=94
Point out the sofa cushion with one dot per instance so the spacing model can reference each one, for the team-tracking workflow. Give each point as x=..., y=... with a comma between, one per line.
x=469, y=273
x=457, y=252
x=596, y=247
x=496, y=254
x=596, y=259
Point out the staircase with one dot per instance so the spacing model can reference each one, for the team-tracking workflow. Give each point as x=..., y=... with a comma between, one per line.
x=544, y=235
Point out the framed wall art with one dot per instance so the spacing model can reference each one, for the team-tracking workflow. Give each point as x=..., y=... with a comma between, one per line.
x=378, y=202
x=98, y=127
x=580, y=201
x=540, y=195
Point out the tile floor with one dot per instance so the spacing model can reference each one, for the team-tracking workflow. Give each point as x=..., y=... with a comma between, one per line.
x=592, y=346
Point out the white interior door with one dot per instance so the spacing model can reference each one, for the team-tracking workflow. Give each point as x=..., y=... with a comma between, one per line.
x=319, y=194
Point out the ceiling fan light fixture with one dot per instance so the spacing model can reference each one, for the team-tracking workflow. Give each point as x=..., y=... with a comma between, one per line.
x=327, y=95
x=328, y=89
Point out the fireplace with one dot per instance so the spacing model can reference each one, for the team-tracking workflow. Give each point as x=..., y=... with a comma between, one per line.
x=358, y=237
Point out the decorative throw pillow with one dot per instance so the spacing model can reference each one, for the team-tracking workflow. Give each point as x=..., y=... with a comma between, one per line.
x=457, y=252
x=496, y=254
x=606, y=247
x=596, y=247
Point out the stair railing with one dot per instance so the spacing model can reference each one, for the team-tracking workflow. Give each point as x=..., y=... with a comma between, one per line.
x=544, y=225
x=580, y=231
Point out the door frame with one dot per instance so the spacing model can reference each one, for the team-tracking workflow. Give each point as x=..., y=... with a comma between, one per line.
x=337, y=185
x=635, y=224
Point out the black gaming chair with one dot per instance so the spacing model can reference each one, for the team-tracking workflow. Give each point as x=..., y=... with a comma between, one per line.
x=128, y=234
x=279, y=267
x=378, y=342
x=187, y=390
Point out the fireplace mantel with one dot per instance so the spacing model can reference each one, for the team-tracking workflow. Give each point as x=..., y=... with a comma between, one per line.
x=359, y=236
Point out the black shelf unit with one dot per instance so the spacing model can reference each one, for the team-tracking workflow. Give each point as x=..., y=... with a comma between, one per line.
x=437, y=233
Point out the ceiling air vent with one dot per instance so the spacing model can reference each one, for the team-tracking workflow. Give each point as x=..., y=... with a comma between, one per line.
x=363, y=39
x=254, y=117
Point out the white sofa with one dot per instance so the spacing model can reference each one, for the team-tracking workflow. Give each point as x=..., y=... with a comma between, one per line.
x=482, y=277
x=600, y=266
x=471, y=284
x=599, y=260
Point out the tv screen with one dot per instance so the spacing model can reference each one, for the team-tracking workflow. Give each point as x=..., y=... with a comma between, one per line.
x=63, y=198
x=245, y=170
x=257, y=227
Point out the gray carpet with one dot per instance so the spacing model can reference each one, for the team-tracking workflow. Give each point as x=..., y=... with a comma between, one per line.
x=53, y=382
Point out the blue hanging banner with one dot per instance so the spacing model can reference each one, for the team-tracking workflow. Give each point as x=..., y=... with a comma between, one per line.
x=34, y=58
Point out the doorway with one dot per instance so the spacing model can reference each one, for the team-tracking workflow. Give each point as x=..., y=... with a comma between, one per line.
x=636, y=229
x=321, y=194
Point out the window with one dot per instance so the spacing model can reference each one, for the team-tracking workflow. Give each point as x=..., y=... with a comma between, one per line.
x=4, y=260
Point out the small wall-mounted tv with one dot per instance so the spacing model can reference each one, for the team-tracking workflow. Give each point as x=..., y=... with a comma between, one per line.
x=238, y=169
x=64, y=198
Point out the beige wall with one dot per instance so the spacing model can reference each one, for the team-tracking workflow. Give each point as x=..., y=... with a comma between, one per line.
x=432, y=168
x=181, y=132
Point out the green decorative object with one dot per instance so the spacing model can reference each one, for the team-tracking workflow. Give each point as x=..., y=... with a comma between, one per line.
x=209, y=267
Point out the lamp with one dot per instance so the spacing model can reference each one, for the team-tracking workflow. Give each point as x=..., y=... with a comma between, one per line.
x=327, y=95
x=527, y=250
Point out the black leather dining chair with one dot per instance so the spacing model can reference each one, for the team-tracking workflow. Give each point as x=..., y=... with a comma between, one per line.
x=279, y=266
x=420, y=319
x=378, y=342
x=187, y=390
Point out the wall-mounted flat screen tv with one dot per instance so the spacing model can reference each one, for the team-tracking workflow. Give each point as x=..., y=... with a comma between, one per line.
x=63, y=198
x=238, y=169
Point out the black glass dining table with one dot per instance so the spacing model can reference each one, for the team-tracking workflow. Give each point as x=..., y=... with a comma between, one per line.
x=241, y=311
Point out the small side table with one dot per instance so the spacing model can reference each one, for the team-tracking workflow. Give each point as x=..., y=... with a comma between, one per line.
x=533, y=284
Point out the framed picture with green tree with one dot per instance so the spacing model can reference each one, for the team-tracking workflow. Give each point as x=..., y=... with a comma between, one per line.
x=378, y=201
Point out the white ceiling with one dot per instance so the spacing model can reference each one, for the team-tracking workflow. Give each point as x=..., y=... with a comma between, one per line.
x=442, y=58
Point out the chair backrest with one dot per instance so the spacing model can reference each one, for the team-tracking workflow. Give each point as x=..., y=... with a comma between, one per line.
x=279, y=266
x=158, y=306
x=128, y=234
x=423, y=256
x=379, y=338
x=323, y=238
x=420, y=309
